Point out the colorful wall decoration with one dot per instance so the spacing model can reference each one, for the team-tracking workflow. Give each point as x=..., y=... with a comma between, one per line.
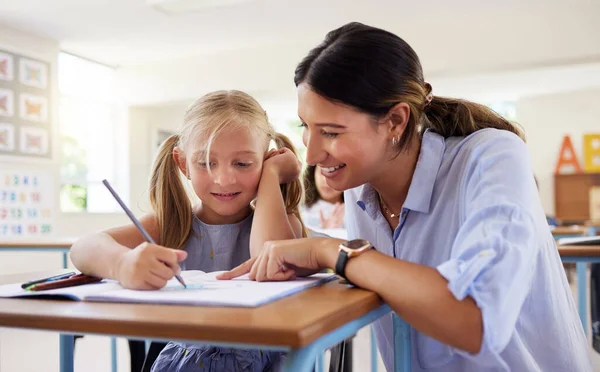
x=567, y=158
x=25, y=103
x=26, y=208
x=595, y=203
x=591, y=153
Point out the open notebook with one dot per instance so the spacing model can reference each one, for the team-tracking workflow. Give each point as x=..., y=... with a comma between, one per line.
x=586, y=240
x=202, y=289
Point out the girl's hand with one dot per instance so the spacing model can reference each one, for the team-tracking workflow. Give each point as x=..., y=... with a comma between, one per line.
x=148, y=266
x=284, y=163
x=287, y=259
x=335, y=219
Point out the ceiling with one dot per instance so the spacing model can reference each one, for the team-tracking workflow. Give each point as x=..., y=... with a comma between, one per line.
x=125, y=32
x=469, y=48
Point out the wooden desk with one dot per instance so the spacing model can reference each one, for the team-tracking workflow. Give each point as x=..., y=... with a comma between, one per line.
x=54, y=245
x=593, y=227
x=581, y=255
x=304, y=324
x=569, y=231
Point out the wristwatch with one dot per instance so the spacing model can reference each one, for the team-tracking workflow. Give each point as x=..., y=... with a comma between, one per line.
x=347, y=250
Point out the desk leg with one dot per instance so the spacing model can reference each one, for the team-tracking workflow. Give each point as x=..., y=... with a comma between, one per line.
x=66, y=343
x=303, y=359
x=582, y=293
x=320, y=364
x=113, y=354
x=373, y=350
x=65, y=260
x=401, y=344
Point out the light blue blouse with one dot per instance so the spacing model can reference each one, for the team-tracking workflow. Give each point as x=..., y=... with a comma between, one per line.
x=473, y=212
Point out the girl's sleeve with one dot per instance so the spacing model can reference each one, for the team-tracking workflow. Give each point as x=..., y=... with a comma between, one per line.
x=494, y=254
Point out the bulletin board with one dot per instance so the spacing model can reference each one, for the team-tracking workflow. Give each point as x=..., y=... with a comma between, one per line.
x=25, y=102
x=26, y=204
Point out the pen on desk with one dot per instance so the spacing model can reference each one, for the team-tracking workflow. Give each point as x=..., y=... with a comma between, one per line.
x=135, y=221
x=72, y=281
x=46, y=280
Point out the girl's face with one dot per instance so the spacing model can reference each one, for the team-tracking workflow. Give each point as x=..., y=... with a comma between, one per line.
x=325, y=192
x=345, y=143
x=236, y=159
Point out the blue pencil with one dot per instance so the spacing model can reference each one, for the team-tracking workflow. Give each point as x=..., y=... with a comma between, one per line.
x=135, y=221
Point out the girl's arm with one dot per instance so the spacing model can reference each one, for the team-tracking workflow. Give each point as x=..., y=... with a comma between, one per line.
x=271, y=221
x=122, y=254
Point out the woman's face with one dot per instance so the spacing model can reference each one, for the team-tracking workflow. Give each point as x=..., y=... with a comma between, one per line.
x=345, y=143
x=325, y=192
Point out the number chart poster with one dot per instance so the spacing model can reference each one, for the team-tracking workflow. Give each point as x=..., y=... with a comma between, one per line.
x=26, y=204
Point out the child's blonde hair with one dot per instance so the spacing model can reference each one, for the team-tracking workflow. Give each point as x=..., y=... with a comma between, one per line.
x=208, y=117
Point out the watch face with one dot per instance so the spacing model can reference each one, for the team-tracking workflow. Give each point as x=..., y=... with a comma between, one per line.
x=356, y=243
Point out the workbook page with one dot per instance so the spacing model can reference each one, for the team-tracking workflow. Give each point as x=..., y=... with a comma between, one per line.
x=206, y=290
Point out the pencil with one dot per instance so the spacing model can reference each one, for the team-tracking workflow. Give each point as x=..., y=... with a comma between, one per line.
x=136, y=222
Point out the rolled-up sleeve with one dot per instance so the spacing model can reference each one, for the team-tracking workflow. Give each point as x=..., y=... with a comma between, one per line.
x=493, y=256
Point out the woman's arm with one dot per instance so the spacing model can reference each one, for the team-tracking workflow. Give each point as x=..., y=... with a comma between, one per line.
x=271, y=221
x=419, y=294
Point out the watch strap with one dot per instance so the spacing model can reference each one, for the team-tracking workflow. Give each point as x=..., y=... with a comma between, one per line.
x=340, y=265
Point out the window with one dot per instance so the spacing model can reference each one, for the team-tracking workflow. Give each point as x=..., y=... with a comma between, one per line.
x=284, y=118
x=508, y=110
x=93, y=136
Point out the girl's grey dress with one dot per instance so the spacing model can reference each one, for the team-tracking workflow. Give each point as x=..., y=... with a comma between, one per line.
x=215, y=248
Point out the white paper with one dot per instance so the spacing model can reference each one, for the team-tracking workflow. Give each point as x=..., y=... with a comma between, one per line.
x=586, y=240
x=205, y=290
x=202, y=289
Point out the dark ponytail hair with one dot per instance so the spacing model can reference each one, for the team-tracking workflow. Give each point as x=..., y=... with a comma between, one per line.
x=372, y=70
x=292, y=192
x=311, y=193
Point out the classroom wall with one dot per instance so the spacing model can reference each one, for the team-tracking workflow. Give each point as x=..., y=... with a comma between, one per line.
x=144, y=122
x=546, y=119
x=47, y=50
x=65, y=224
x=512, y=41
x=93, y=353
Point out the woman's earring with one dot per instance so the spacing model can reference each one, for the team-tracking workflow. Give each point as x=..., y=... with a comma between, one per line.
x=394, y=141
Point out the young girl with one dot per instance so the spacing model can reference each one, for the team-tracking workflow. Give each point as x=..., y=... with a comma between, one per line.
x=222, y=149
x=323, y=205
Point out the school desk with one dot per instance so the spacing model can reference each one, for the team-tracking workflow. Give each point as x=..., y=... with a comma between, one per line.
x=593, y=227
x=581, y=255
x=55, y=245
x=304, y=324
x=569, y=231
x=62, y=246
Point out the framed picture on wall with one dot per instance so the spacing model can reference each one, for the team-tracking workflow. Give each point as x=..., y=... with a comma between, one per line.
x=25, y=106
x=6, y=66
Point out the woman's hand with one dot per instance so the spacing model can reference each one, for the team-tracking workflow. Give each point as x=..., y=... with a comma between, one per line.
x=287, y=259
x=284, y=163
x=335, y=219
x=148, y=266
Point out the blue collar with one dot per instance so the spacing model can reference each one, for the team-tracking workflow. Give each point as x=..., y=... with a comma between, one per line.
x=420, y=191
